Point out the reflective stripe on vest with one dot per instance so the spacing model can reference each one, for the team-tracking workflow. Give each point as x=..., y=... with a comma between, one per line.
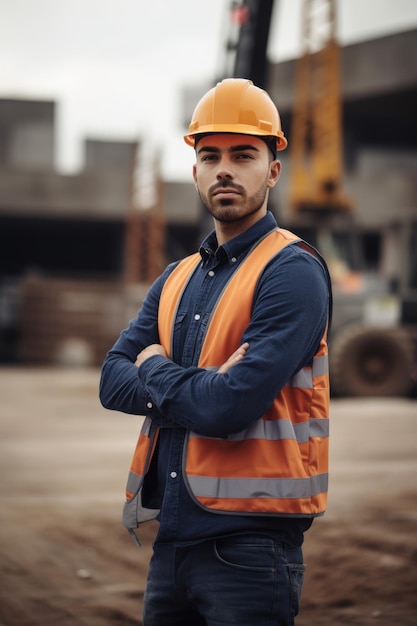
x=279, y=464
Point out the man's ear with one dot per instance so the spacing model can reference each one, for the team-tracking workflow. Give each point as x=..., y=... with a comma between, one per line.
x=274, y=173
x=195, y=175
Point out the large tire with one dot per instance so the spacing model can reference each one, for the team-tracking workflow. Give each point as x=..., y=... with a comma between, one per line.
x=370, y=362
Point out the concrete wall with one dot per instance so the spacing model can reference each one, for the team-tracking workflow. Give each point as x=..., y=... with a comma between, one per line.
x=27, y=134
x=89, y=194
x=102, y=154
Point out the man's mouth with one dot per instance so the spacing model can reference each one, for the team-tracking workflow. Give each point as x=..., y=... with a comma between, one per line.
x=226, y=192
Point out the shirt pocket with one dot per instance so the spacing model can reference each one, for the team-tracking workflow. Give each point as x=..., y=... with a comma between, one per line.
x=178, y=336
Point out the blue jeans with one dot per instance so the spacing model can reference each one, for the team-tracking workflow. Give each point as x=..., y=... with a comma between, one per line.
x=250, y=580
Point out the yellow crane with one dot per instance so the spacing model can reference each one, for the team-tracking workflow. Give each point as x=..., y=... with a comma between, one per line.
x=316, y=164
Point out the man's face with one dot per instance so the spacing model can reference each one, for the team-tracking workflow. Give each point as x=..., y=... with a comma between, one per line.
x=233, y=174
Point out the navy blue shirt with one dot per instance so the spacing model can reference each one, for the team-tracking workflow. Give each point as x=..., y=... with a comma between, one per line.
x=290, y=312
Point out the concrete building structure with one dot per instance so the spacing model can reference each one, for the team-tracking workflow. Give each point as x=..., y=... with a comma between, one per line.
x=27, y=134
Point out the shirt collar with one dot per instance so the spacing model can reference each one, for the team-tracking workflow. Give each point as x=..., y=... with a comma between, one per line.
x=239, y=245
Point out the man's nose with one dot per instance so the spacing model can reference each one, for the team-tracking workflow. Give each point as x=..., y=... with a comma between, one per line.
x=224, y=170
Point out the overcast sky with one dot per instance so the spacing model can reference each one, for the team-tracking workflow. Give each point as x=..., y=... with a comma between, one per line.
x=116, y=68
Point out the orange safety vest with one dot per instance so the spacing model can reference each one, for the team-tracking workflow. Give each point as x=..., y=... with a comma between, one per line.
x=279, y=464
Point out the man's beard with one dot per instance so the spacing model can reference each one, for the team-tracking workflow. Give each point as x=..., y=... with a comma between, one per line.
x=225, y=210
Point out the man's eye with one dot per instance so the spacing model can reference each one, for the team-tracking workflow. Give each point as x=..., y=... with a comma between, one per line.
x=244, y=155
x=208, y=157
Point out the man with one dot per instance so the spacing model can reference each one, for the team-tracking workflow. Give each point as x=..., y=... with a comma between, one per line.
x=228, y=360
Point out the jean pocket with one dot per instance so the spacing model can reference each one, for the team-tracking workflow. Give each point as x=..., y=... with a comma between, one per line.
x=253, y=553
x=296, y=577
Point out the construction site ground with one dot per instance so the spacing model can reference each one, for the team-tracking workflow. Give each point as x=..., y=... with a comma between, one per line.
x=65, y=558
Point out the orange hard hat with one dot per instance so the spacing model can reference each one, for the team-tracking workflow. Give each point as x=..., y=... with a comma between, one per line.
x=236, y=105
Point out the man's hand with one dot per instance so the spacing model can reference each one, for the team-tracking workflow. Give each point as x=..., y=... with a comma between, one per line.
x=154, y=348
x=233, y=359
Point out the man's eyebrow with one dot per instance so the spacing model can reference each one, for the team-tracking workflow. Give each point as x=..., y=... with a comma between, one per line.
x=239, y=148
x=208, y=149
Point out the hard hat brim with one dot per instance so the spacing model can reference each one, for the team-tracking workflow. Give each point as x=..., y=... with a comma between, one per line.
x=238, y=129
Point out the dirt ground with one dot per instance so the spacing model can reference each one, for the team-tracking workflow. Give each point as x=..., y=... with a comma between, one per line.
x=65, y=558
